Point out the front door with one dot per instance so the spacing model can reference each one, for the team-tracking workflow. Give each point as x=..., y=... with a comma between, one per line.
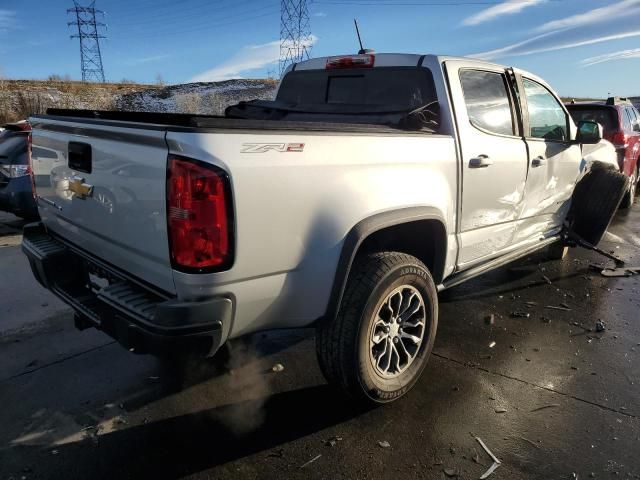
x=554, y=161
x=494, y=160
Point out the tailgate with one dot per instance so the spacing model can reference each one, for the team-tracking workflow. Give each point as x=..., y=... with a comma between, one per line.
x=102, y=188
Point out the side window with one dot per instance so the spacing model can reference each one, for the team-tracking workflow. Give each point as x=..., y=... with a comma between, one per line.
x=628, y=120
x=636, y=123
x=547, y=118
x=487, y=100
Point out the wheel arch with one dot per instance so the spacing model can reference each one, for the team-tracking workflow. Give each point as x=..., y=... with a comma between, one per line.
x=388, y=231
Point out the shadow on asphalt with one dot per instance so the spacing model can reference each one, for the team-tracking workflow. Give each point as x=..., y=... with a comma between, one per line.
x=193, y=442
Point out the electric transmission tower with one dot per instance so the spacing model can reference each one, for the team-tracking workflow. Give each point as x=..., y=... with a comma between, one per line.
x=90, y=56
x=295, y=32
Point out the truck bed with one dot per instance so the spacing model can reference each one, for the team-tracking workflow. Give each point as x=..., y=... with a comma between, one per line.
x=209, y=123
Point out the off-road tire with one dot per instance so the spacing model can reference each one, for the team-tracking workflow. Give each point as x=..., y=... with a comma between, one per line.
x=630, y=195
x=595, y=201
x=342, y=344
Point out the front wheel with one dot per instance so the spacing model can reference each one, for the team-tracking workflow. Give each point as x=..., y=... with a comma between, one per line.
x=378, y=344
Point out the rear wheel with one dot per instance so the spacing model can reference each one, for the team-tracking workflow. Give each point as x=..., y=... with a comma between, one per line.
x=378, y=345
x=595, y=201
x=630, y=195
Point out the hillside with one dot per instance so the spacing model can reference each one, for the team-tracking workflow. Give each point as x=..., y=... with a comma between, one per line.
x=20, y=98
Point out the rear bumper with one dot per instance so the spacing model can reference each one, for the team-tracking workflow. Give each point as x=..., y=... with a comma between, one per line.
x=16, y=196
x=137, y=317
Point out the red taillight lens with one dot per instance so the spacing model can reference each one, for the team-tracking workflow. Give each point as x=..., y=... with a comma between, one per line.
x=350, y=61
x=198, y=215
x=619, y=140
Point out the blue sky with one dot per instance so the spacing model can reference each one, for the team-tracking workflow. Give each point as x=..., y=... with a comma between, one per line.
x=582, y=47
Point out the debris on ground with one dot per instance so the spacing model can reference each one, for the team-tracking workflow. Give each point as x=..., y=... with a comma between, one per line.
x=54, y=452
x=620, y=272
x=311, y=461
x=496, y=462
x=277, y=454
x=476, y=456
x=524, y=439
x=278, y=367
x=501, y=410
x=544, y=407
x=119, y=420
x=518, y=314
x=492, y=344
x=545, y=319
x=331, y=442
x=450, y=472
x=384, y=444
x=553, y=307
x=546, y=279
x=600, y=326
x=564, y=305
x=490, y=319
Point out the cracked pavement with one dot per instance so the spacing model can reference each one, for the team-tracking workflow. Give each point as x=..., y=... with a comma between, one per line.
x=551, y=398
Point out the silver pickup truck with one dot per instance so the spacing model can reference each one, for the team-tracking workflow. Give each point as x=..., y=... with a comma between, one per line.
x=369, y=184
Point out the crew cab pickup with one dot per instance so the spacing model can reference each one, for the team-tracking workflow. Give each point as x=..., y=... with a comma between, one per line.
x=370, y=183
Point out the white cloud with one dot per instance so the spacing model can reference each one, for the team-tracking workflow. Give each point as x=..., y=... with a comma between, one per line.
x=319, y=14
x=7, y=20
x=509, y=7
x=610, y=12
x=149, y=59
x=608, y=57
x=527, y=47
x=250, y=57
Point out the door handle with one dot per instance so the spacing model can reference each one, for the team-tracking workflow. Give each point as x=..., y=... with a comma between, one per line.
x=481, y=161
x=538, y=161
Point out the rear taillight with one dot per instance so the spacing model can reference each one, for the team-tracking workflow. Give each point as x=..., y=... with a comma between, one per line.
x=350, y=61
x=619, y=140
x=198, y=216
x=15, y=171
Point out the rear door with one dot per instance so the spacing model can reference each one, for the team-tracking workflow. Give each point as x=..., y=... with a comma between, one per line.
x=101, y=186
x=633, y=141
x=554, y=160
x=494, y=160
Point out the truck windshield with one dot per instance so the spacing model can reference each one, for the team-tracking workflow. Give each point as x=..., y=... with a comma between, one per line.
x=391, y=88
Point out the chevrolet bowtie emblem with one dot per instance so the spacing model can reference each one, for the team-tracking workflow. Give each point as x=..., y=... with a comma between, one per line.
x=81, y=189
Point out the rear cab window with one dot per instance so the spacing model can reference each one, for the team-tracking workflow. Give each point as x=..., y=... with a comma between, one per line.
x=389, y=88
x=604, y=115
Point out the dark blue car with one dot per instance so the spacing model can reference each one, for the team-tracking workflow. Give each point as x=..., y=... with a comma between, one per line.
x=16, y=188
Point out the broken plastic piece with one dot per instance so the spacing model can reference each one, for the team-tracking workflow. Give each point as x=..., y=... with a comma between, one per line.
x=553, y=307
x=496, y=462
x=551, y=405
x=620, y=272
x=384, y=444
x=311, y=461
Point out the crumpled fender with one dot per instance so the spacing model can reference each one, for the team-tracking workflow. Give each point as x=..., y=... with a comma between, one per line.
x=600, y=155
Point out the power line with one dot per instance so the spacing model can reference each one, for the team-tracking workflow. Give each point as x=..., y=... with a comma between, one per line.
x=206, y=27
x=90, y=55
x=295, y=32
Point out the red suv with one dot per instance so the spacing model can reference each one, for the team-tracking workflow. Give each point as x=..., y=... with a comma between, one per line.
x=621, y=122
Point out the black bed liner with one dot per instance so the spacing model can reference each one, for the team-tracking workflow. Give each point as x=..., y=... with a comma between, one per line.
x=189, y=122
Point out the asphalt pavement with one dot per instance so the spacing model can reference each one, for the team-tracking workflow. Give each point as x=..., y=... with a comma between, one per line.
x=549, y=395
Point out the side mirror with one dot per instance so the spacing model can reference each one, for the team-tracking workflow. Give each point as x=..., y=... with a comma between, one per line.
x=589, y=132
